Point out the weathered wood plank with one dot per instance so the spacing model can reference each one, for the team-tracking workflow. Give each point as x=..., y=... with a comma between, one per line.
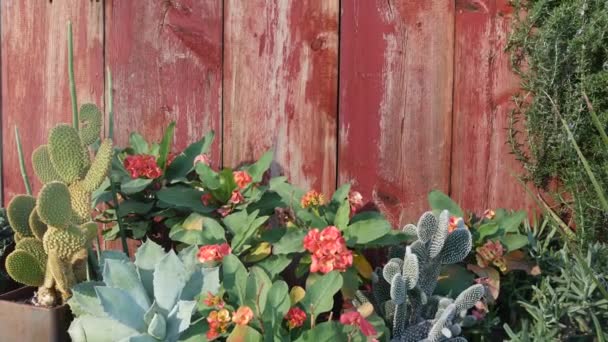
x=35, y=91
x=482, y=167
x=280, y=80
x=166, y=61
x=396, y=101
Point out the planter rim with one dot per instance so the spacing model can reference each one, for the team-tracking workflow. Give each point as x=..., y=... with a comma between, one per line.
x=26, y=292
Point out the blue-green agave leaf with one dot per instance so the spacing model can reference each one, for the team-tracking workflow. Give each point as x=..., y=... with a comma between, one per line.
x=170, y=277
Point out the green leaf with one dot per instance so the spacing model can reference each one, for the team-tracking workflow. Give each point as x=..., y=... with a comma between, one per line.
x=487, y=229
x=341, y=193
x=165, y=146
x=440, y=201
x=274, y=264
x=134, y=207
x=514, y=241
x=277, y=307
x=290, y=195
x=256, y=170
x=183, y=197
x=213, y=232
x=512, y=222
x=136, y=185
x=184, y=162
x=138, y=143
x=319, y=295
x=244, y=333
x=244, y=233
x=366, y=227
x=311, y=220
x=256, y=290
x=291, y=242
x=235, y=278
x=209, y=178
x=393, y=237
x=342, y=215
x=453, y=280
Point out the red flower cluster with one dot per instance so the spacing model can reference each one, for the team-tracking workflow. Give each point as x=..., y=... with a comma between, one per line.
x=142, y=166
x=295, y=317
x=328, y=249
x=211, y=253
x=218, y=323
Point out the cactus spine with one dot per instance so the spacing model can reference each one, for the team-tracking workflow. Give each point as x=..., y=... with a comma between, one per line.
x=55, y=230
x=402, y=291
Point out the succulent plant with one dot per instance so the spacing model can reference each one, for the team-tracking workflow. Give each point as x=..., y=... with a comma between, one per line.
x=53, y=232
x=66, y=158
x=152, y=299
x=402, y=291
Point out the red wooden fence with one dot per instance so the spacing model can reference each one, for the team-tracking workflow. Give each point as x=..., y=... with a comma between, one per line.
x=396, y=96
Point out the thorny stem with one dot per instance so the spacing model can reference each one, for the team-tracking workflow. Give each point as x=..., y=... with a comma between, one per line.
x=123, y=236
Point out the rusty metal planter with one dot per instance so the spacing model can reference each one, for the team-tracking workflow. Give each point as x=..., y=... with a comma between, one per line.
x=20, y=321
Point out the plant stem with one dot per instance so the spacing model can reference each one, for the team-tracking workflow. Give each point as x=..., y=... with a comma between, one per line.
x=110, y=105
x=26, y=179
x=123, y=235
x=71, y=77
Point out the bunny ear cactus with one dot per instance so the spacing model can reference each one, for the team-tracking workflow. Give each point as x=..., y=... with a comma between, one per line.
x=54, y=230
x=402, y=291
x=66, y=158
x=152, y=299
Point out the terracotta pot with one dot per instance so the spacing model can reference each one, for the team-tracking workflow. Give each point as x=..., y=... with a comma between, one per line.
x=20, y=321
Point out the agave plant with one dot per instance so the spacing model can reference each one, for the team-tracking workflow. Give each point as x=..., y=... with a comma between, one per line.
x=152, y=299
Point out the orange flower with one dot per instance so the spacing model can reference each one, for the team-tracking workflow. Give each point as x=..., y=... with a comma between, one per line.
x=218, y=323
x=241, y=178
x=489, y=214
x=355, y=200
x=312, y=199
x=213, y=253
x=243, y=315
x=295, y=317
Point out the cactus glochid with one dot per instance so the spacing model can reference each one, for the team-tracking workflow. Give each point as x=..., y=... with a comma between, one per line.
x=402, y=291
x=54, y=231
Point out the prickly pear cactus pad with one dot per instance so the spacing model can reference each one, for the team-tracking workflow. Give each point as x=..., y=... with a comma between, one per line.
x=402, y=290
x=55, y=230
x=152, y=299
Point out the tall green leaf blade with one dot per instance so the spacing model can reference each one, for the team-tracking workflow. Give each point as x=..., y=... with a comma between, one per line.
x=440, y=201
x=165, y=146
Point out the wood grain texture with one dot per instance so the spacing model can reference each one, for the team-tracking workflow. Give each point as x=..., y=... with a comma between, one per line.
x=35, y=91
x=396, y=102
x=166, y=61
x=482, y=166
x=280, y=87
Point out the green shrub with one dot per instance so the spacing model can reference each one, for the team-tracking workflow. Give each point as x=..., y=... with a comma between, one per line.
x=559, y=48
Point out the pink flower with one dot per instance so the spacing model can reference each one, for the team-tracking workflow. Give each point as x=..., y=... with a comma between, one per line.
x=202, y=158
x=213, y=253
x=224, y=210
x=356, y=201
x=241, y=178
x=312, y=199
x=295, y=317
x=492, y=252
x=328, y=250
x=355, y=318
x=142, y=166
x=243, y=315
x=236, y=197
